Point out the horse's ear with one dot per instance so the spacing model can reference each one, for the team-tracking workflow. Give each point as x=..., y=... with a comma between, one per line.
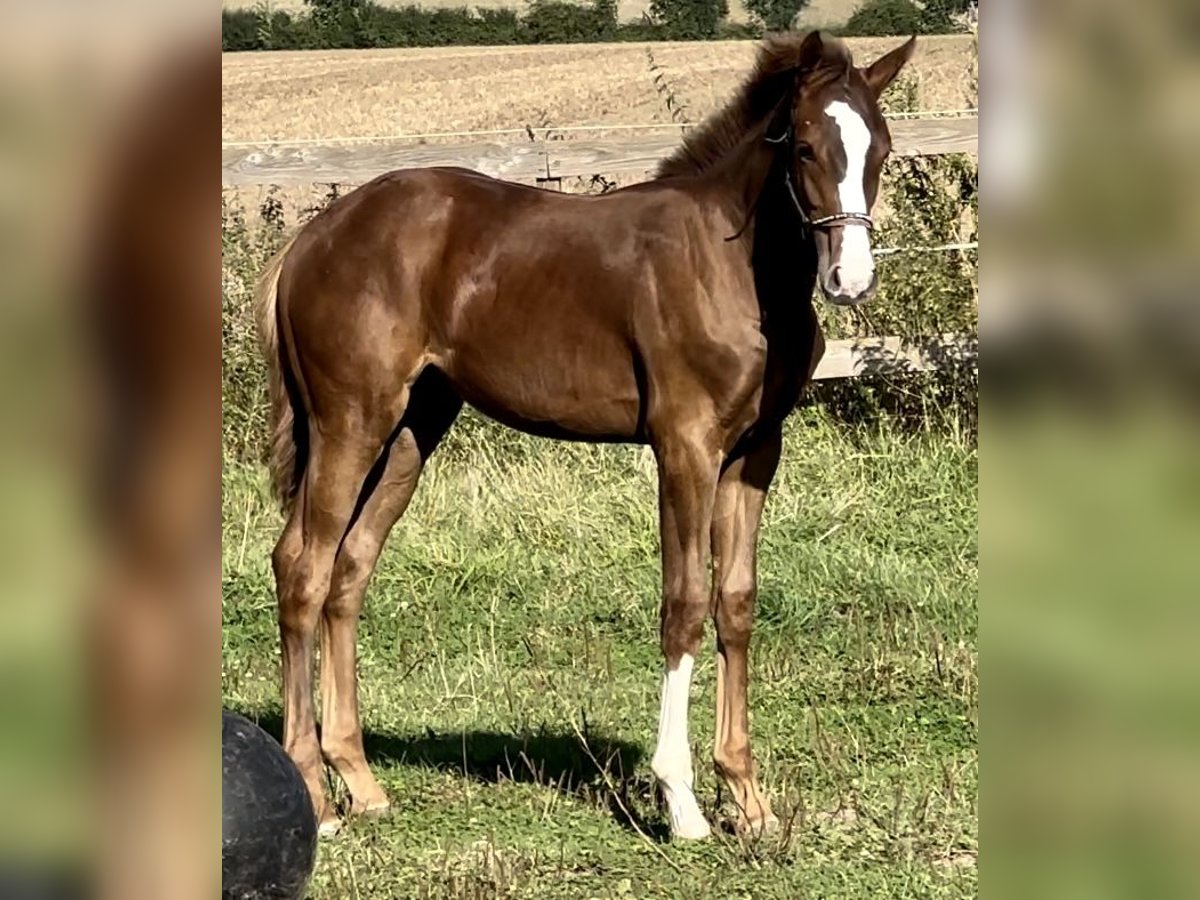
x=884, y=70
x=812, y=50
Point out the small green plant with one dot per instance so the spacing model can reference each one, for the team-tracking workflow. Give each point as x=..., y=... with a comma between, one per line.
x=902, y=96
x=245, y=250
x=973, y=74
x=663, y=87
x=332, y=192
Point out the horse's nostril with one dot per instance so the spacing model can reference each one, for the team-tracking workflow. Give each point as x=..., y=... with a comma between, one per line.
x=835, y=279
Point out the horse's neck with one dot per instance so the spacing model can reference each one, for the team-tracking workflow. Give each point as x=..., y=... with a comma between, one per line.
x=782, y=253
x=742, y=178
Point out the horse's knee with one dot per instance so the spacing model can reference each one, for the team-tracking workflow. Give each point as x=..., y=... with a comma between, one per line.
x=683, y=624
x=300, y=609
x=286, y=553
x=298, y=597
x=302, y=594
x=352, y=569
x=734, y=615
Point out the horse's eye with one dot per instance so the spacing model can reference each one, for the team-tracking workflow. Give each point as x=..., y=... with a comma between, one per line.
x=804, y=151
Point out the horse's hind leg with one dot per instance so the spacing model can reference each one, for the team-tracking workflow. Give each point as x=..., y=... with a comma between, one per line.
x=304, y=558
x=431, y=410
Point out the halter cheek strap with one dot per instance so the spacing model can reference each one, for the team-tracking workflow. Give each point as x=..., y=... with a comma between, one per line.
x=838, y=219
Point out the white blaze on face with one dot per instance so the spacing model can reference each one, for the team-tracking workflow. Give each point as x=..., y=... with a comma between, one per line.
x=857, y=266
x=672, y=762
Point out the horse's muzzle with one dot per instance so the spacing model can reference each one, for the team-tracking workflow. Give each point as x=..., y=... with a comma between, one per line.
x=839, y=297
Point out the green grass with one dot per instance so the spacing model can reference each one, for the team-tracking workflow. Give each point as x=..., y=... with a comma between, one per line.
x=509, y=675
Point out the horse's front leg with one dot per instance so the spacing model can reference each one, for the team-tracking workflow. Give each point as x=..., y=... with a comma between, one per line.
x=687, y=474
x=741, y=494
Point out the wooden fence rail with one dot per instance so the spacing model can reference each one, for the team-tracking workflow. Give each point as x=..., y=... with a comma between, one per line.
x=893, y=355
x=302, y=164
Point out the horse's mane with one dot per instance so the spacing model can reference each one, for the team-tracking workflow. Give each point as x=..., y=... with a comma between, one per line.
x=781, y=59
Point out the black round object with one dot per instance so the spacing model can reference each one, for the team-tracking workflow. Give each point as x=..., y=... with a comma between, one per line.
x=268, y=829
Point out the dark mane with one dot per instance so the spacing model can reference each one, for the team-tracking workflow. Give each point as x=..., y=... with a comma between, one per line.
x=782, y=58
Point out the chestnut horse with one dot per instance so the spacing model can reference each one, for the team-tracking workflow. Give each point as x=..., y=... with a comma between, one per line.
x=676, y=313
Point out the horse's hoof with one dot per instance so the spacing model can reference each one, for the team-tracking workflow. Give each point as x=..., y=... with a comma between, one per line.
x=758, y=828
x=694, y=829
x=329, y=825
x=687, y=821
x=377, y=810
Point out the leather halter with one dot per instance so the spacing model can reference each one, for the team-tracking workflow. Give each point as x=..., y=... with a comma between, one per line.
x=839, y=219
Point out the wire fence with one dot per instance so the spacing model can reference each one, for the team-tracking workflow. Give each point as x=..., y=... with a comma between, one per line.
x=940, y=248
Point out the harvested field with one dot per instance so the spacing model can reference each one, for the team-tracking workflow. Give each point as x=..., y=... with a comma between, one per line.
x=362, y=93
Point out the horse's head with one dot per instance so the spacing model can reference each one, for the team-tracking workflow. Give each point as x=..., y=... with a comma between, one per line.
x=838, y=141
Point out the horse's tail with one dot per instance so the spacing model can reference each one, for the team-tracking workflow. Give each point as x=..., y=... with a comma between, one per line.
x=289, y=425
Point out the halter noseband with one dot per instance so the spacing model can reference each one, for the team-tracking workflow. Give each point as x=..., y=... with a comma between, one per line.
x=838, y=219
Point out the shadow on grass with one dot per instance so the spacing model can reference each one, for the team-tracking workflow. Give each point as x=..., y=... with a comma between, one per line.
x=553, y=759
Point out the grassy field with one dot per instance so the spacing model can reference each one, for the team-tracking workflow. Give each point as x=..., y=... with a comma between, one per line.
x=510, y=674
x=365, y=93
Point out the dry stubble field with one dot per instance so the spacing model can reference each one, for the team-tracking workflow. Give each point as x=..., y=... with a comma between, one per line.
x=363, y=93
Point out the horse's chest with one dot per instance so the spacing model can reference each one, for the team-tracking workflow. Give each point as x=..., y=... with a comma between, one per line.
x=789, y=357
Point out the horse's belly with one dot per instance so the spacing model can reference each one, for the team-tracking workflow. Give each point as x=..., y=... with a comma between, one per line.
x=540, y=340
x=536, y=390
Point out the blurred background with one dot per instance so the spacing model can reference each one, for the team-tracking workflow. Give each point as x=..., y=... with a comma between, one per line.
x=1090, y=485
x=109, y=458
